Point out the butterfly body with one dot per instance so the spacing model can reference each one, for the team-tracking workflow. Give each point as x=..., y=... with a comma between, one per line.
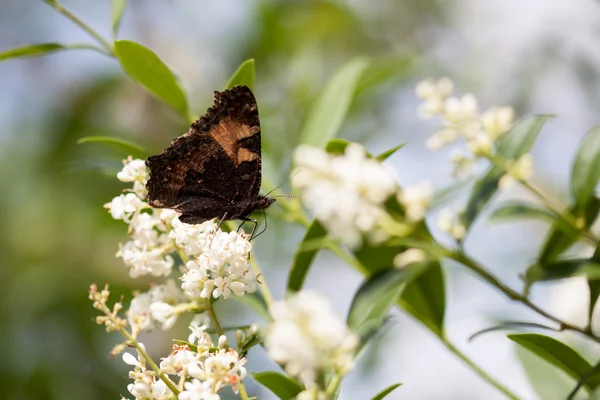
x=214, y=170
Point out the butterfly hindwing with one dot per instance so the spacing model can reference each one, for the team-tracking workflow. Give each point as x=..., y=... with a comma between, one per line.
x=214, y=166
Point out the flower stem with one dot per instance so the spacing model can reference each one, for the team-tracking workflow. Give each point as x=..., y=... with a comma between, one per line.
x=470, y=263
x=264, y=288
x=565, y=216
x=171, y=385
x=61, y=9
x=243, y=394
x=213, y=316
x=484, y=375
x=333, y=384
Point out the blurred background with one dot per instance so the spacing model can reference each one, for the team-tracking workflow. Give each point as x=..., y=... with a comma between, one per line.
x=56, y=239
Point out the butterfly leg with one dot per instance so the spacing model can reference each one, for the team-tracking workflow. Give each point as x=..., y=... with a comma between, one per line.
x=255, y=222
x=217, y=228
x=240, y=227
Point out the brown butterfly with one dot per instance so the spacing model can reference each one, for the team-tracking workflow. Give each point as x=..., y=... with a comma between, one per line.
x=214, y=170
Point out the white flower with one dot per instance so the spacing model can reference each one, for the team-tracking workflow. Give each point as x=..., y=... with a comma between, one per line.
x=311, y=394
x=133, y=170
x=145, y=385
x=497, y=121
x=521, y=170
x=183, y=362
x=144, y=260
x=463, y=163
x=124, y=206
x=461, y=112
x=416, y=199
x=198, y=390
x=434, y=95
x=345, y=192
x=480, y=144
x=222, y=269
x=223, y=368
x=449, y=222
x=193, y=239
x=306, y=337
x=156, y=305
x=408, y=257
x=163, y=313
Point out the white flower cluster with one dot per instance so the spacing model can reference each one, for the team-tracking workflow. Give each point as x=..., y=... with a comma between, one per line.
x=308, y=338
x=205, y=370
x=345, y=192
x=220, y=260
x=158, y=305
x=221, y=269
x=462, y=120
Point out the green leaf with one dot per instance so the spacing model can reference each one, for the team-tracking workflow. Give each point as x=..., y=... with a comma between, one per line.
x=118, y=7
x=256, y=302
x=282, y=386
x=512, y=145
x=389, y=71
x=522, y=210
x=592, y=375
x=510, y=325
x=561, y=269
x=425, y=298
x=303, y=259
x=243, y=76
x=549, y=383
x=594, y=285
x=144, y=67
x=520, y=139
x=443, y=196
x=328, y=112
x=386, y=391
x=586, y=169
x=32, y=50
x=556, y=353
x=130, y=147
x=557, y=241
x=375, y=297
x=383, y=156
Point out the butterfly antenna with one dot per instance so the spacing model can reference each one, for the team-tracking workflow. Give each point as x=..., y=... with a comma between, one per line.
x=289, y=196
x=284, y=182
x=263, y=231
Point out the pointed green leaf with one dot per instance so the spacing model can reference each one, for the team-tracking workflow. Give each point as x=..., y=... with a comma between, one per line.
x=256, y=302
x=522, y=210
x=586, y=169
x=130, y=147
x=282, y=386
x=118, y=7
x=32, y=50
x=425, y=298
x=512, y=145
x=557, y=241
x=303, y=259
x=375, y=297
x=520, y=139
x=386, y=391
x=327, y=114
x=383, y=156
x=556, y=353
x=144, y=67
x=243, y=76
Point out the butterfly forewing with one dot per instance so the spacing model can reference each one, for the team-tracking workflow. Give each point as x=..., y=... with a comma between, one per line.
x=214, y=170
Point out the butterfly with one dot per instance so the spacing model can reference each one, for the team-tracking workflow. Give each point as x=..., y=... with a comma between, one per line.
x=214, y=170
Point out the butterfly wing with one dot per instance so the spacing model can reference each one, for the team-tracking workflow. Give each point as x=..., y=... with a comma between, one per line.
x=218, y=159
